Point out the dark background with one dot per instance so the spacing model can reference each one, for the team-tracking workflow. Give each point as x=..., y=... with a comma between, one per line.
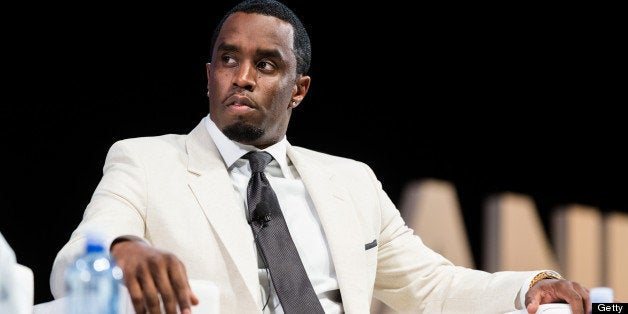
x=492, y=98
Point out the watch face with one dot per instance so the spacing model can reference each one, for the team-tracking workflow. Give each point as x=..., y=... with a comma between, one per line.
x=554, y=274
x=548, y=274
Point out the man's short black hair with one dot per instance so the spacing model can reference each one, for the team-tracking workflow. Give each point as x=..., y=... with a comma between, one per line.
x=302, y=46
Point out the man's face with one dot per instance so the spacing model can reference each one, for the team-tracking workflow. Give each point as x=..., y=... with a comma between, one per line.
x=252, y=79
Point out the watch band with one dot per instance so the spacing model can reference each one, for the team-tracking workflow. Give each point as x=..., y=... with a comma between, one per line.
x=547, y=274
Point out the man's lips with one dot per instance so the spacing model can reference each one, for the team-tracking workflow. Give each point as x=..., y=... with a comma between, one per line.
x=239, y=108
x=240, y=104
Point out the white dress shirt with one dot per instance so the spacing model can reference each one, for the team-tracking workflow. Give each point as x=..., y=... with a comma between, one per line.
x=298, y=210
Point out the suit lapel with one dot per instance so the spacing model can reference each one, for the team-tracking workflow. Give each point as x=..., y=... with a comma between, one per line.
x=214, y=191
x=340, y=223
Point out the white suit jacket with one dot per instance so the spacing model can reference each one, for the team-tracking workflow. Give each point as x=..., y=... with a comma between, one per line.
x=175, y=191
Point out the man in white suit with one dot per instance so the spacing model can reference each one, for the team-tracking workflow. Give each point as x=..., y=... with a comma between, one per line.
x=173, y=207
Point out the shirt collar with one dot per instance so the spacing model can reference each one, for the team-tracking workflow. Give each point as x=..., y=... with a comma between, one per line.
x=231, y=151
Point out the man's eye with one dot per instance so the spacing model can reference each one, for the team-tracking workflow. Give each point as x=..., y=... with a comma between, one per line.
x=228, y=60
x=266, y=66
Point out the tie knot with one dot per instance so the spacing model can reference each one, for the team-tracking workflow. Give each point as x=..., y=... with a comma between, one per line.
x=258, y=160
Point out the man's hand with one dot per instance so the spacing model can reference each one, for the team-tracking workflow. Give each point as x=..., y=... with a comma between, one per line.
x=150, y=273
x=558, y=291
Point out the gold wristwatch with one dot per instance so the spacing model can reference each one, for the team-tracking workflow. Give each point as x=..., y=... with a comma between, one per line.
x=548, y=274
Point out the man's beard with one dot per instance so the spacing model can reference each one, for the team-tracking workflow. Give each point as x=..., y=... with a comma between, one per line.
x=243, y=133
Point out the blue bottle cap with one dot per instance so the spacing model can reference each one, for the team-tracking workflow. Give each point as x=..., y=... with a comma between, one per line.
x=601, y=295
x=94, y=242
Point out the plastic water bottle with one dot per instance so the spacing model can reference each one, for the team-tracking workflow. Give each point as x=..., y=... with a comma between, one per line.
x=92, y=281
x=601, y=295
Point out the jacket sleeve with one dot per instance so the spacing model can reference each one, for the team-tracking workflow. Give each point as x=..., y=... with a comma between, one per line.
x=413, y=278
x=117, y=208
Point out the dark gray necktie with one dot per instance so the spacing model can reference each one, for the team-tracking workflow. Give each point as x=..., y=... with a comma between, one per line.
x=273, y=239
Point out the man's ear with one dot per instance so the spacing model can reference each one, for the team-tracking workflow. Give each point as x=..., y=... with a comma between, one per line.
x=301, y=87
x=208, y=71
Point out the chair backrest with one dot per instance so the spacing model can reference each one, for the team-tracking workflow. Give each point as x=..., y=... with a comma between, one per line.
x=514, y=236
x=615, y=236
x=431, y=208
x=16, y=283
x=577, y=235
